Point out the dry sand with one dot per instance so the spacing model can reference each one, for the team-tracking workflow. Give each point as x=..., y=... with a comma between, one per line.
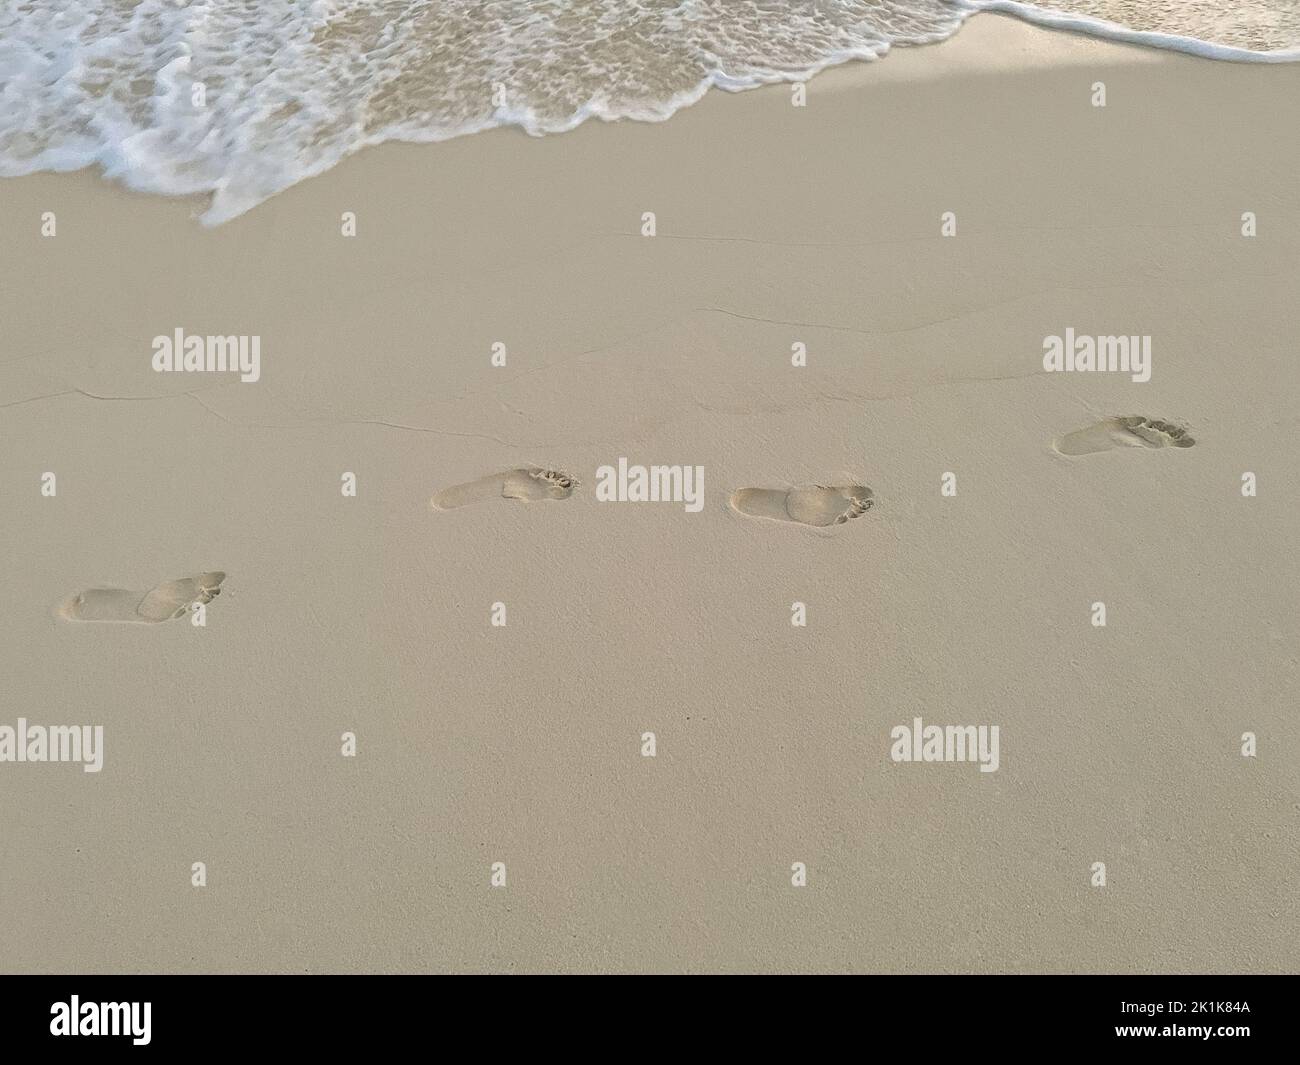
x=479, y=744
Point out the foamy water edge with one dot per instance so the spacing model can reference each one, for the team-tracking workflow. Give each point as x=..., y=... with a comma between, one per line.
x=178, y=156
x=1113, y=31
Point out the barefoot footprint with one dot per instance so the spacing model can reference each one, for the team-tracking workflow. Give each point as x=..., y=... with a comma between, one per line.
x=820, y=505
x=526, y=484
x=163, y=602
x=1134, y=430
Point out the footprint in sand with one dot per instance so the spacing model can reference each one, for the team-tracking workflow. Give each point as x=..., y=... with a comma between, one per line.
x=526, y=484
x=163, y=602
x=1131, y=431
x=819, y=505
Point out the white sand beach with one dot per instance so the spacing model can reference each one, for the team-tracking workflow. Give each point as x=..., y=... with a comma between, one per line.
x=521, y=744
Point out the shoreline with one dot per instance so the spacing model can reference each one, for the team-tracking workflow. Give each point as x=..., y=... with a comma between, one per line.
x=1058, y=25
x=1103, y=29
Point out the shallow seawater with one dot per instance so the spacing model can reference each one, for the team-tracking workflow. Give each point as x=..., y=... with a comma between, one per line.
x=243, y=98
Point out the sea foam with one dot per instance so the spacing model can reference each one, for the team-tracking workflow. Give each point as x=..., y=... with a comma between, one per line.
x=240, y=99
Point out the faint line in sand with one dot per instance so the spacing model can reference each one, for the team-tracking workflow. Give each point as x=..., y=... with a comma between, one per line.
x=384, y=423
x=102, y=398
x=867, y=332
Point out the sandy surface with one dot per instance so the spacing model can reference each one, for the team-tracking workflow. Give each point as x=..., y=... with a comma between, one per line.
x=478, y=744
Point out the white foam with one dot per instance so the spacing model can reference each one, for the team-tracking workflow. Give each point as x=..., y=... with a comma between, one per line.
x=1113, y=31
x=293, y=88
